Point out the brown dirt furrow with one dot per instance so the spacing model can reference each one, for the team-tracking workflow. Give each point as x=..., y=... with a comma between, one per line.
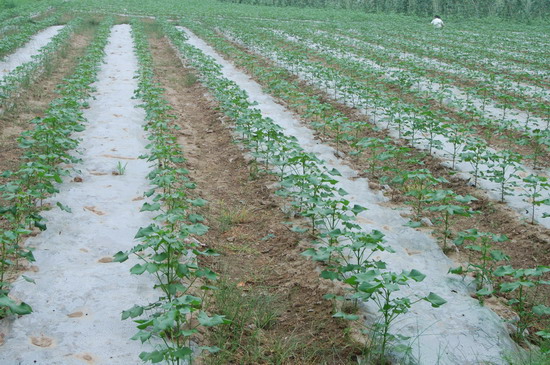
x=33, y=100
x=260, y=257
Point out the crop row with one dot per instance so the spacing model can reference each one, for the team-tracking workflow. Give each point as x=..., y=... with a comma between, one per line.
x=29, y=10
x=493, y=86
x=515, y=80
x=12, y=41
x=382, y=158
x=511, y=49
x=420, y=186
x=475, y=83
x=166, y=248
x=517, y=65
x=407, y=77
x=16, y=23
x=24, y=75
x=47, y=149
x=501, y=171
x=348, y=251
x=388, y=158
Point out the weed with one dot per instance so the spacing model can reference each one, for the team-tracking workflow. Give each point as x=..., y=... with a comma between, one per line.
x=120, y=168
x=190, y=79
x=228, y=216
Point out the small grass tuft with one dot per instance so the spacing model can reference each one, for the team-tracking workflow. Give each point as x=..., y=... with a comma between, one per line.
x=190, y=79
x=228, y=216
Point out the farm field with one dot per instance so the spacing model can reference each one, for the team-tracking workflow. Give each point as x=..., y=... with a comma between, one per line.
x=218, y=183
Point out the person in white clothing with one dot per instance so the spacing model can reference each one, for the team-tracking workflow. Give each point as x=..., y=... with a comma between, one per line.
x=437, y=22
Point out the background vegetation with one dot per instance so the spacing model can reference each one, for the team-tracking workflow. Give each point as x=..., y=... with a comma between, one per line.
x=525, y=10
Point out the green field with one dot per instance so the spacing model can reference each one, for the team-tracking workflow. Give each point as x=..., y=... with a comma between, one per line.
x=334, y=182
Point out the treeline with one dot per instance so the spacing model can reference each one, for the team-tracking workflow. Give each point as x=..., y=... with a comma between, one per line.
x=516, y=9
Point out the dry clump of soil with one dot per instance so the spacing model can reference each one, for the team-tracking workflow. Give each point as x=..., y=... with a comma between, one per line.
x=259, y=255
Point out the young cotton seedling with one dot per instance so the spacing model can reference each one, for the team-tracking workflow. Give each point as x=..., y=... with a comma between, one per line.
x=474, y=152
x=536, y=193
x=525, y=284
x=487, y=257
x=418, y=185
x=503, y=167
x=448, y=205
x=382, y=287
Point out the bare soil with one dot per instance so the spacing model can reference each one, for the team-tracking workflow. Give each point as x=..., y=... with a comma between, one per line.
x=258, y=253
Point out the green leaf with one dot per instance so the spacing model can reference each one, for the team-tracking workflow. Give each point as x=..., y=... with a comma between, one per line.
x=166, y=320
x=413, y=224
x=150, y=207
x=330, y=275
x=207, y=321
x=151, y=267
x=27, y=279
x=484, y=292
x=206, y=273
x=197, y=202
x=457, y=270
x=144, y=232
x=188, y=333
x=504, y=270
x=15, y=308
x=417, y=275
x=342, y=192
x=143, y=336
x=335, y=172
x=197, y=229
x=120, y=256
x=133, y=312
x=346, y=316
x=64, y=207
x=541, y=310
x=509, y=287
x=40, y=225
x=401, y=348
x=195, y=218
x=183, y=353
x=138, y=269
x=154, y=357
x=358, y=209
x=298, y=229
x=211, y=349
x=435, y=300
